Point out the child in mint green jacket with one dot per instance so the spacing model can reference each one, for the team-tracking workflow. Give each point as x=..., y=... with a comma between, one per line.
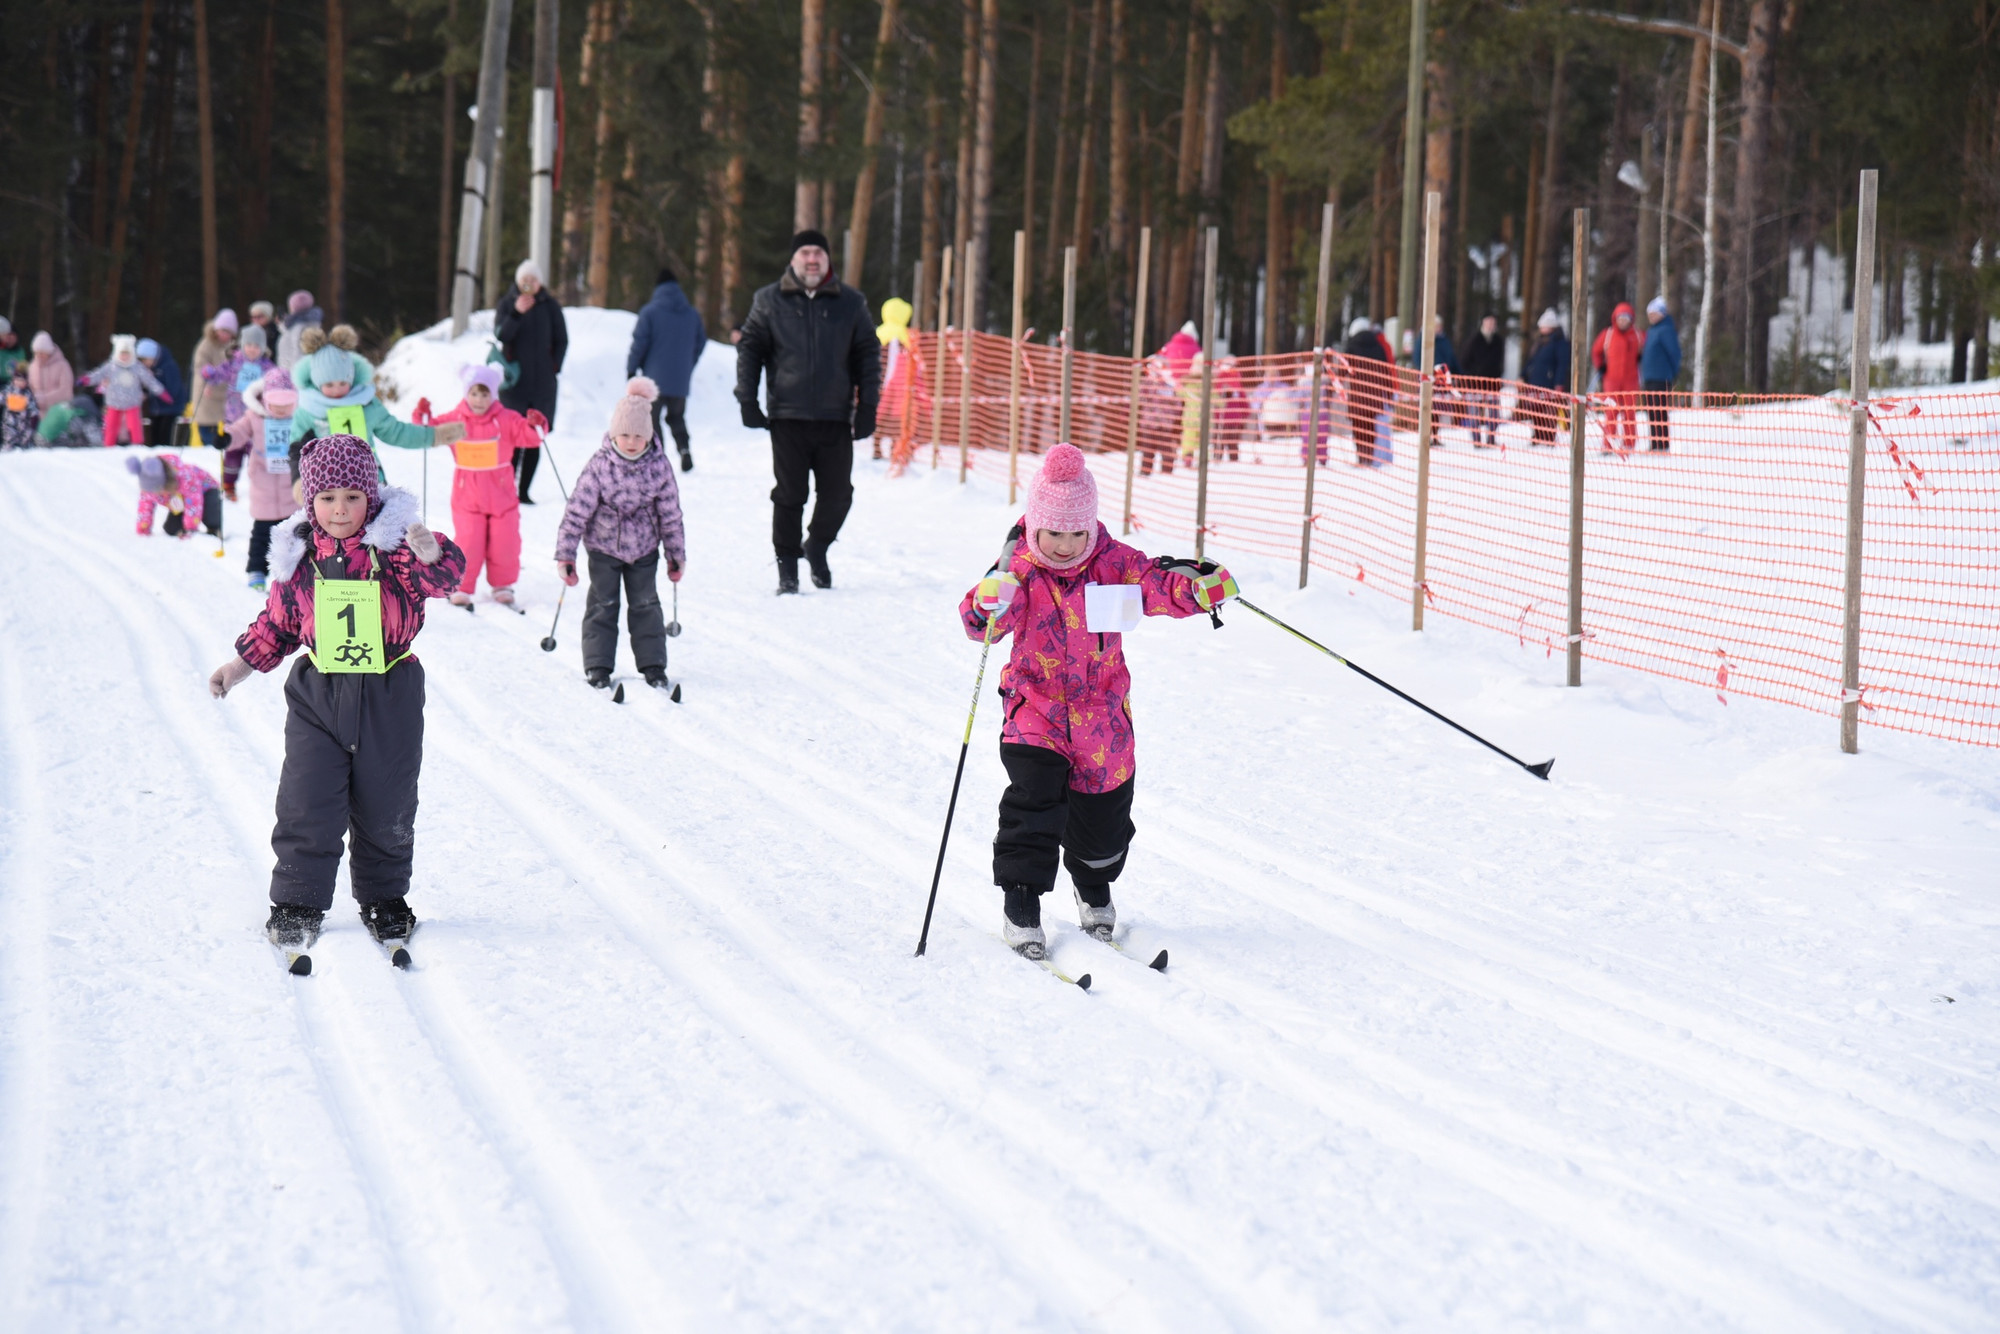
x=330, y=374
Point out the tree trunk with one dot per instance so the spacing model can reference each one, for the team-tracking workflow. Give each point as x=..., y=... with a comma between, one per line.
x=100, y=128
x=812, y=37
x=871, y=142
x=158, y=191
x=1530, y=248
x=1211, y=130
x=980, y=257
x=829, y=200
x=1086, y=154
x=211, y=277
x=603, y=181
x=734, y=173
x=576, y=211
x=968, y=111
x=1760, y=72
x=1118, y=235
x=334, y=253
x=931, y=242
x=128, y=167
x=1437, y=162
x=1276, y=249
x=1033, y=137
x=449, y=138
x=1548, y=268
x=1692, y=140
x=707, y=214
x=1461, y=316
x=1187, y=175
x=1057, y=175
x=255, y=193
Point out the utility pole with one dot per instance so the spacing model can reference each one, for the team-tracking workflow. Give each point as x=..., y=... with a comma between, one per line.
x=542, y=139
x=1413, y=178
x=479, y=158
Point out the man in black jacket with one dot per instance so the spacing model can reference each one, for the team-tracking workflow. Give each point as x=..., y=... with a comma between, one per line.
x=816, y=339
x=529, y=325
x=1485, y=365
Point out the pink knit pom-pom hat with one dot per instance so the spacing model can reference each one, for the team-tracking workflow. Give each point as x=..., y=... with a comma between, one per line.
x=1063, y=499
x=633, y=414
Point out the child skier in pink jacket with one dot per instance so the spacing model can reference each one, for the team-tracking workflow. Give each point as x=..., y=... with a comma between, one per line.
x=1066, y=738
x=485, y=510
x=190, y=495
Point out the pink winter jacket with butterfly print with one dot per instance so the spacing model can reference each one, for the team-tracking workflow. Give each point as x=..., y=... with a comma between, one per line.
x=190, y=484
x=1066, y=688
x=287, y=619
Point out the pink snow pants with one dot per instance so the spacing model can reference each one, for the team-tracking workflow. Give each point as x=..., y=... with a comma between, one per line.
x=486, y=524
x=135, y=426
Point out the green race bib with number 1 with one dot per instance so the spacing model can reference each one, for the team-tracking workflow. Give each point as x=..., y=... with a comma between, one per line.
x=347, y=626
x=348, y=421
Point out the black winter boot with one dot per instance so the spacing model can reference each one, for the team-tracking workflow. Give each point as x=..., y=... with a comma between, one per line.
x=389, y=919
x=656, y=677
x=822, y=574
x=788, y=575
x=292, y=927
x=599, y=677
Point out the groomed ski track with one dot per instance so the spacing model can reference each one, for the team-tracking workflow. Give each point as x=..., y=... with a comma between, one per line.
x=1653, y=1047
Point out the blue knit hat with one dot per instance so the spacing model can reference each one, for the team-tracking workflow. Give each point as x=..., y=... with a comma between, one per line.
x=332, y=365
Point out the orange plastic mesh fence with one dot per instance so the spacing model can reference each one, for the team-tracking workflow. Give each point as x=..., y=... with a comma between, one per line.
x=1714, y=537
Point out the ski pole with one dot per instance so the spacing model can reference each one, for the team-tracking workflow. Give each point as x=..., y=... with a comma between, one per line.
x=674, y=626
x=1540, y=771
x=951, y=809
x=549, y=642
x=552, y=465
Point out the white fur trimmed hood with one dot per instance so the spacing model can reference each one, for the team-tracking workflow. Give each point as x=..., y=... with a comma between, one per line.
x=384, y=532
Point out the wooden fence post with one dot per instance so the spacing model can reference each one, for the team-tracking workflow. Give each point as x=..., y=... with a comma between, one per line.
x=943, y=321
x=1857, y=469
x=1207, y=390
x=1068, y=338
x=1138, y=369
x=968, y=285
x=1426, y=364
x=1579, y=354
x=1014, y=354
x=1319, y=368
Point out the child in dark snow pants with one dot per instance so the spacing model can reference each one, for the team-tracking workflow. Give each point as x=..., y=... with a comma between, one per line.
x=349, y=578
x=627, y=509
x=1066, y=590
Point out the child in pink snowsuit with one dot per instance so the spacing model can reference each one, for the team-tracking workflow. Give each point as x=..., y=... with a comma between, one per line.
x=191, y=496
x=485, y=509
x=1066, y=738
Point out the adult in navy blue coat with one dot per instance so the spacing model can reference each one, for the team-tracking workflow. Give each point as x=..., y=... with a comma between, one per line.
x=1547, y=375
x=1659, y=367
x=666, y=343
x=160, y=414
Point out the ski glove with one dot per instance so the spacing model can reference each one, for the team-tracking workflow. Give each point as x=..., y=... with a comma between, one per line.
x=423, y=543
x=1213, y=585
x=228, y=676
x=675, y=569
x=864, y=423
x=537, y=420
x=567, y=569
x=754, y=418
x=448, y=433
x=996, y=593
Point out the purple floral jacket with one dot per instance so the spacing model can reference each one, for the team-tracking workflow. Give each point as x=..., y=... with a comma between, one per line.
x=624, y=508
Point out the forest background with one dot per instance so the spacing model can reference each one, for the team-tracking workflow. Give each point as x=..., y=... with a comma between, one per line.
x=165, y=157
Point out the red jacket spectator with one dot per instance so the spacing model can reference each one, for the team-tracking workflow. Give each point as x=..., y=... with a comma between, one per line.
x=1616, y=351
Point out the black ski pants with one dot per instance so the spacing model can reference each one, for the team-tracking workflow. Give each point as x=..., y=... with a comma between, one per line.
x=524, y=469
x=670, y=417
x=1042, y=819
x=643, y=615
x=354, y=746
x=260, y=546
x=824, y=453
x=1654, y=400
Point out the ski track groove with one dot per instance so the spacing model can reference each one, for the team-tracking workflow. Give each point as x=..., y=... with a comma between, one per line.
x=837, y=1083
x=24, y=1021
x=1579, y=1001
x=356, y=1113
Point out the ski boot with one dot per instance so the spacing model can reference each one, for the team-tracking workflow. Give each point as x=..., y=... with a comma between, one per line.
x=504, y=596
x=822, y=574
x=687, y=459
x=1096, y=918
x=461, y=599
x=291, y=927
x=1021, y=926
x=656, y=677
x=788, y=575
x=599, y=677
x=389, y=919
x=260, y=583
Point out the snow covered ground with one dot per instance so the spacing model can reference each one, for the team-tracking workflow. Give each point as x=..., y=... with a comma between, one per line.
x=1663, y=1044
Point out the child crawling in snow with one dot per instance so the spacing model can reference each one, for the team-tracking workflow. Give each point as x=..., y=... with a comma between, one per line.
x=1066, y=739
x=627, y=509
x=485, y=511
x=190, y=495
x=349, y=577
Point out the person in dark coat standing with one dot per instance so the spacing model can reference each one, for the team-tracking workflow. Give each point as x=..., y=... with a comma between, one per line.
x=815, y=338
x=1547, y=375
x=160, y=415
x=529, y=324
x=666, y=343
x=1659, y=367
x=1485, y=363
x=1369, y=383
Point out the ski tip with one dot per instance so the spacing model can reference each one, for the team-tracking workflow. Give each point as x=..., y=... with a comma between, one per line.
x=401, y=958
x=618, y=695
x=676, y=696
x=1159, y=963
x=302, y=966
x=1541, y=770
x=1083, y=983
